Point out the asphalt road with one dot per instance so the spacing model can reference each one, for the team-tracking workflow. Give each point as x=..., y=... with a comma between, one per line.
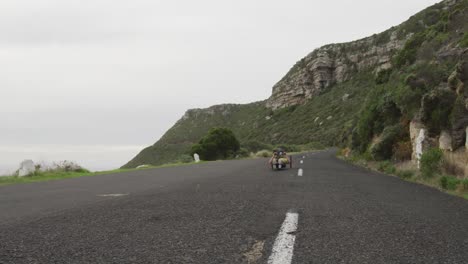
x=232, y=212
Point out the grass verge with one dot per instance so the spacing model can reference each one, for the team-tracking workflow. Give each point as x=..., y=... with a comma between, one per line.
x=57, y=175
x=445, y=183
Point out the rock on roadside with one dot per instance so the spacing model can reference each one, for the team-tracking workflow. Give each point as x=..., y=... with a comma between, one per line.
x=26, y=168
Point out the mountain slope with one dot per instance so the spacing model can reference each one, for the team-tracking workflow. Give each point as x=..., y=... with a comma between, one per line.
x=350, y=93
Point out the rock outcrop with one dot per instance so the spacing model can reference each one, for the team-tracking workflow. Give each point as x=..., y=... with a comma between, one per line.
x=333, y=64
x=466, y=139
x=445, y=141
x=419, y=142
x=26, y=168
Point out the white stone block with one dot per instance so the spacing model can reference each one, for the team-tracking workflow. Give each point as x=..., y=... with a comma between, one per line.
x=196, y=157
x=26, y=168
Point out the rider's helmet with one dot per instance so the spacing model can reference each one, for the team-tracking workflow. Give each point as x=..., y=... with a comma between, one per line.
x=280, y=151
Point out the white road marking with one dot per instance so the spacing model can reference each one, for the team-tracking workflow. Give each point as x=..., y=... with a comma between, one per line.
x=112, y=194
x=302, y=161
x=303, y=157
x=283, y=247
x=300, y=172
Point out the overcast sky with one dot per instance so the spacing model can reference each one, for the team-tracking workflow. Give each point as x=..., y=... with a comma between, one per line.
x=114, y=73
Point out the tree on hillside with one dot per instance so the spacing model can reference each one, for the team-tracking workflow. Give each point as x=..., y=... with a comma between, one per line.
x=219, y=143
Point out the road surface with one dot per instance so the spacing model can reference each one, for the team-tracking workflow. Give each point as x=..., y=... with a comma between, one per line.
x=233, y=212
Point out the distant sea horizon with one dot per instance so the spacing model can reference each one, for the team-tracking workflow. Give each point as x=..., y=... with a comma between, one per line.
x=91, y=157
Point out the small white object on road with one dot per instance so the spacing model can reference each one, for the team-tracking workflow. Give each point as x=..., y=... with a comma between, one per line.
x=300, y=172
x=303, y=157
x=302, y=161
x=283, y=247
x=112, y=194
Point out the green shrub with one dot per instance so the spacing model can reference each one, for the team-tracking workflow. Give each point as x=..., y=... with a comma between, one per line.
x=383, y=165
x=405, y=174
x=408, y=54
x=449, y=182
x=390, y=170
x=81, y=170
x=289, y=148
x=243, y=153
x=255, y=146
x=443, y=182
x=442, y=37
x=379, y=112
x=464, y=40
x=431, y=16
x=366, y=156
x=389, y=113
x=383, y=76
x=431, y=74
x=364, y=130
x=436, y=109
x=387, y=167
x=452, y=183
x=383, y=149
x=408, y=100
x=464, y=183
x=185, y=158
x=453, y=79
x=382, y=38
x=284, y=111
x=414, y=82
x=430, y=162
x=263, y=154
x=313, y=146
x=219, y=143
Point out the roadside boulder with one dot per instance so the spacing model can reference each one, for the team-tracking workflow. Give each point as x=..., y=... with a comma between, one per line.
x=26, y=168
x=196, y=157
x=445, y=141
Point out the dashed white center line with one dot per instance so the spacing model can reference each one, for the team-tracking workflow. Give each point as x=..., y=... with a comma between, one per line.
x=283, y=247
x=112, y=194
x=300, y=172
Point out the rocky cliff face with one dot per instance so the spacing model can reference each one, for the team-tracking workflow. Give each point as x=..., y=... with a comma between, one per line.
x=334, y=64
x=337, y=63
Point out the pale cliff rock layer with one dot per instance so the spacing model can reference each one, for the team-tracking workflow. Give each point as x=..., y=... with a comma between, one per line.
x=333, y=64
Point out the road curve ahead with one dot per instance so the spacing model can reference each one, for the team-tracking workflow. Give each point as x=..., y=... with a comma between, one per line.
x=233, y=212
